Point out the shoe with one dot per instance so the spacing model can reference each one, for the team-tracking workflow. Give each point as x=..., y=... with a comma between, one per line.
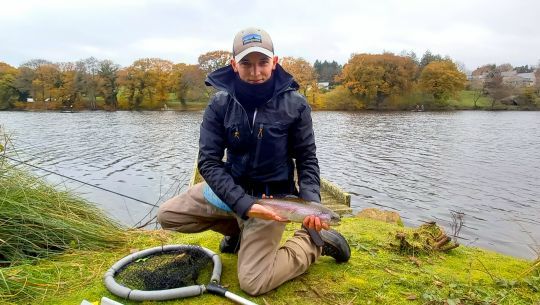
x=335, y=245
x=230, y=244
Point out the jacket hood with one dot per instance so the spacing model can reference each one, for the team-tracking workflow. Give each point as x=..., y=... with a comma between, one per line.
x=223, y=79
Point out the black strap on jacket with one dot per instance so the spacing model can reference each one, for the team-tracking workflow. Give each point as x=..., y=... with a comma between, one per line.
x=274, y=188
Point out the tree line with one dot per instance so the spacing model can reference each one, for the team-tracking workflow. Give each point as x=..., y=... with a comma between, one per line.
x=366, y=81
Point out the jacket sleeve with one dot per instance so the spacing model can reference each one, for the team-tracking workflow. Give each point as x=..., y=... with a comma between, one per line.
x=211, y=166
x=304, y=150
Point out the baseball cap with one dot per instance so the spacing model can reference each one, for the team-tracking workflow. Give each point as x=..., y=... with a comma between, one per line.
x=252, y=40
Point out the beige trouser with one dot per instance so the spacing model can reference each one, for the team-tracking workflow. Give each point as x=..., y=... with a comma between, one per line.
x=262, y=264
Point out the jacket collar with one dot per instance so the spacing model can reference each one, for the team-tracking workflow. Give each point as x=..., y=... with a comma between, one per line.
x=223, y=79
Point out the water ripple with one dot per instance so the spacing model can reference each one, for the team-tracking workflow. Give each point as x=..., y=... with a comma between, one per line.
x=423, y=165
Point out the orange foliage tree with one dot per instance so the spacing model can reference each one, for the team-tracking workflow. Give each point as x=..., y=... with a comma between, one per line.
x=302, y=71
x=147, y=82
x=8, y=93
x=442, y=79
x=214, y=60
x=188, y=83
x=375, y=77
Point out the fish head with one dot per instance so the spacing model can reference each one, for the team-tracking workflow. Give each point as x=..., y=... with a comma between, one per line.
x=331, y=218
x=334, y=219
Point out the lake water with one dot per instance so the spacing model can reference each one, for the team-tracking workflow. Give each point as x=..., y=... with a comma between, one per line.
x=423, y=165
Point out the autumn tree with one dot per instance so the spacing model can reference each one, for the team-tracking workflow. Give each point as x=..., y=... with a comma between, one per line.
x=47, y=82
x=442, y=79
x=188, y=83
x=71, y=85
x=483, y=69
x=148, y=81
x=213, y=60
x=161, y=71
x=505, y=67
x=8, y=92
x=29, y=82
x=375, y=77
x=302, y=71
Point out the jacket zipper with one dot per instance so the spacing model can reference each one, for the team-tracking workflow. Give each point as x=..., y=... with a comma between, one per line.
x=252, y=126
x=258, y=149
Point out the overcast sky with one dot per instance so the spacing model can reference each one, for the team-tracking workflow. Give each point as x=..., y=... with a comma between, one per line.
x=471, y=32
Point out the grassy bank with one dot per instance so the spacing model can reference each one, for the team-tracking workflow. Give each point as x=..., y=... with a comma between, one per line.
x=56, y=248
x=375, y=273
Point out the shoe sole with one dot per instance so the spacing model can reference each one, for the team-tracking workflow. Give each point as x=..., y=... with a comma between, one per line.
x=333, y=240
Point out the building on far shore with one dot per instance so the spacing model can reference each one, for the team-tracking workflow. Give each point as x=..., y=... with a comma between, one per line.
x=323, y=85
x=511, y=78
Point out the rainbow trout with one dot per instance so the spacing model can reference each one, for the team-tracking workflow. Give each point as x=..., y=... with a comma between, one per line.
x=296, y=209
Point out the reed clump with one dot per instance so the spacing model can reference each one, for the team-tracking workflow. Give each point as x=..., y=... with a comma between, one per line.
x=38, y=221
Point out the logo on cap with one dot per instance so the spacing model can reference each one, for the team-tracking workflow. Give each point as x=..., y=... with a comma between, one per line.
x=251, y=38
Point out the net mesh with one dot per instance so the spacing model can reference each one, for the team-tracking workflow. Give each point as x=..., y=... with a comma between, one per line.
x=166, y=270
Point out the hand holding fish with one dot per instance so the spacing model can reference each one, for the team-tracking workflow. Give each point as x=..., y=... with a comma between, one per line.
x=314, y=222
x=259, y=211
x=312, y=214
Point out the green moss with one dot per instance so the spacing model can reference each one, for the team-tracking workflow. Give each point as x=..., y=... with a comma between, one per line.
x=375, y=274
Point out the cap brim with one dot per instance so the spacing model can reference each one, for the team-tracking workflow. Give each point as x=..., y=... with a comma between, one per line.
x=264, y=51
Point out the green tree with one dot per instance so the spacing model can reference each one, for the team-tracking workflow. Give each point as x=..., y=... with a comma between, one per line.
x=375, y=77
x=524, y=69
x=136, y=79
x=412, y=55
x=23, y=83
x=107, y=82
x=88, y=77
x=427, y=58
x=327, y=71
x=442, y=79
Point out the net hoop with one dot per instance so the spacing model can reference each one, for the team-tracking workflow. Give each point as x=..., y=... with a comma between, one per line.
x=160, y=295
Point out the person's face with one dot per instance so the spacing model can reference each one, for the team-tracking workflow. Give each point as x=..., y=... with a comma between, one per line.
x=255, y=68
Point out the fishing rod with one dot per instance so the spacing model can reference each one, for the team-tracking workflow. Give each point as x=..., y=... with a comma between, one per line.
x=137, y=224
x=85, y=183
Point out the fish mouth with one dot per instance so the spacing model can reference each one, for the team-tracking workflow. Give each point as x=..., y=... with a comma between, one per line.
x=335, y=220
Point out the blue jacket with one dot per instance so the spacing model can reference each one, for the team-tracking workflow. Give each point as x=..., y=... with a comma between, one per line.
x=282, y=131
